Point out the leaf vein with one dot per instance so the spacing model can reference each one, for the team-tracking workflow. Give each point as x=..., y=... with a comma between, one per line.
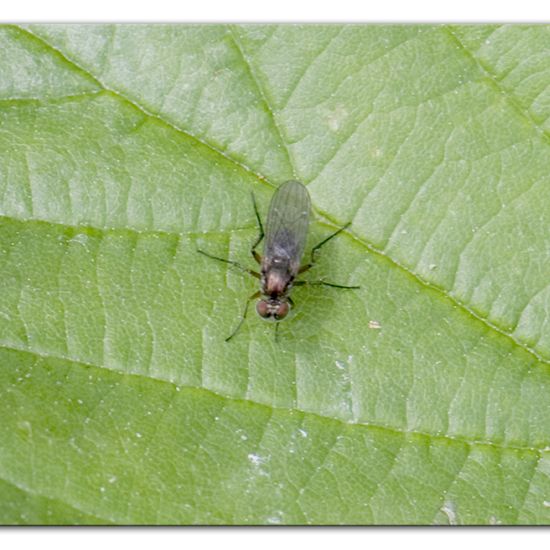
x=392, y=429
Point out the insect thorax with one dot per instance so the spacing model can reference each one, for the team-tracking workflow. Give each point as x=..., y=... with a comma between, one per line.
x=277, y=276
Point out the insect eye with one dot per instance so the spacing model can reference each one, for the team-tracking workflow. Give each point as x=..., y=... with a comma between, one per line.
x=262, y=309
x=282, y=311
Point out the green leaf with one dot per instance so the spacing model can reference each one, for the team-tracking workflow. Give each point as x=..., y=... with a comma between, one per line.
x=421, y=398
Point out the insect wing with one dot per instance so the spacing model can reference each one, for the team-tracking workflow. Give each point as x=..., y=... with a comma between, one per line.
x=287, y=225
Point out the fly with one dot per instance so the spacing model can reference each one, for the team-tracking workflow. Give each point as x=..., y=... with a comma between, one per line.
x=285, y=239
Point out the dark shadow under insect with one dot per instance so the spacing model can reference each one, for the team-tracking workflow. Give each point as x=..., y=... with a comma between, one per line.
x=285, y=239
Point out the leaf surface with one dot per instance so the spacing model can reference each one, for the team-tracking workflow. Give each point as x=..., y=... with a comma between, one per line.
x=420, y=398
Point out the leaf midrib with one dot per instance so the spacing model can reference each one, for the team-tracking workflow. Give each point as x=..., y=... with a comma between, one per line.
x=325, y=222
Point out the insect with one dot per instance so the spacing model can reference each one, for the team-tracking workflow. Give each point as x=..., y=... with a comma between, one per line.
x=285, y=240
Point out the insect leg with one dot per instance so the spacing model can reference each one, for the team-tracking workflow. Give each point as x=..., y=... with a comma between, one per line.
x=248, y=300
x=255, y=255
x=319, y=245
x=231, y=262
x=323, y=283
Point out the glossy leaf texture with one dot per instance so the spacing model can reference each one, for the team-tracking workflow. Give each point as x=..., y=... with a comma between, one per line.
x=422, y=398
